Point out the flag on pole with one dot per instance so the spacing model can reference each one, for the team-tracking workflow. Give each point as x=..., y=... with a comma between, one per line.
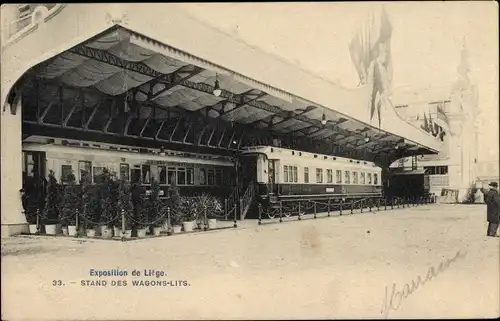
x=441, y=114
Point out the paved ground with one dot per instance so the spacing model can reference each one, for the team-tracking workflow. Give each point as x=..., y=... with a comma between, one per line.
x=341, y=267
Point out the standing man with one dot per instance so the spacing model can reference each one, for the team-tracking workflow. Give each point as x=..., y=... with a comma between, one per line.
x=492, y=200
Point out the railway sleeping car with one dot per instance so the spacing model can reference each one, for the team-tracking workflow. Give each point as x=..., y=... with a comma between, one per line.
x=285, y=174
x=193, y=173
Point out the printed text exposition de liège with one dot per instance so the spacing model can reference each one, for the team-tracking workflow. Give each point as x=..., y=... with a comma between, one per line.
x=123, y=278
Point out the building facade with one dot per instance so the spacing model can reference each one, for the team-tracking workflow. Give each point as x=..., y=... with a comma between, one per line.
x=451, y=115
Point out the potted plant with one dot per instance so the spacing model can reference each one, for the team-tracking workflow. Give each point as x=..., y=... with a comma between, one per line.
x=188, y=213
x=203, y=204
x=215, y=210
x=90, y=205
x=125, y=206
x=30, y=211
x=51, y=210
x=69, y=206
x=176, y=219
x=154, y=207
x=108, y=195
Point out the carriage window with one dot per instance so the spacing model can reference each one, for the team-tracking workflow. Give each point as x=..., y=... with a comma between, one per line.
x=319, y=175
x=329, y=176
x=347, y=179
x=146, y=174
x=162, y=174
x=306, y=174
x=66, y=171
x=172, y=176
x=210, y=177
x=369, y=178
x=181, y=176
x=125, y=172
x=285, y=173
x=30, y=165
x=338, y=176
x=355, y=177
x=218, y=177
x=135, y=175
x=203, y=176
x=84, y=168
x=295, y=174
x=98, y=174
x=362, y=177
x=375, y=179
x=190, y=176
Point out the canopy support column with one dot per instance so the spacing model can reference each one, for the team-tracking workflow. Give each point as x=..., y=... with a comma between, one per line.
x=13, y=219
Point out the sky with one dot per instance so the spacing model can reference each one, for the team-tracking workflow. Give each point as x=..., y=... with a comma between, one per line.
x=426, y=43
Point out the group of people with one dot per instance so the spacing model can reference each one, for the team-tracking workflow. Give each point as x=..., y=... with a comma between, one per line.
x=492, y=200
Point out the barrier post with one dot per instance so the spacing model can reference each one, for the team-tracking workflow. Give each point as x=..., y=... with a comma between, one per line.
x=38, y=227
x=123, y=225
x=169, y=222
x=225, y=209
x=300, y=216
x=340, y=207
x=385, y=204
x=361, y=205
x=205, y=223
x=235, y=216
x=370, y=205
x=77, y=223
x=392, y=203
x=328, y=207
x=281, y=211
x=260, y=213
x=352, y=207
x=314, y=209
x=378, y=204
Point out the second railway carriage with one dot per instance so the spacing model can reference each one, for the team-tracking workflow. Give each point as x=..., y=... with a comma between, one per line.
x=285, y=174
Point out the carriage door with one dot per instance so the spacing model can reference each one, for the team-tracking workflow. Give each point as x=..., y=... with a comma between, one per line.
x=34, y=174
x=272, y=176
x=248, y=170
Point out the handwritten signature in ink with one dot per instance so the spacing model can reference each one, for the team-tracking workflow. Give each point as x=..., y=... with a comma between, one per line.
x=393, y=302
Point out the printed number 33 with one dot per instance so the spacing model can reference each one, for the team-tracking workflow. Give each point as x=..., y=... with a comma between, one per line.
x=56, y=282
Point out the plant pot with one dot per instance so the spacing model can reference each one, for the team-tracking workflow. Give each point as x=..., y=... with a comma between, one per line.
x=176, y=229
x=65, y=231
x=157, y=230
x=127, y=234
x=101, y=229
x=188, y=226
x=212, y=223
x=141, y=232
x=117, y=231
x=51, y=229
x=107, y=232
x=33, y=229
x=72, y=230
x=91, y=232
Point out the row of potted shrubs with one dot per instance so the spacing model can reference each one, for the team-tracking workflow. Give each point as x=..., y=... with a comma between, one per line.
x=103, y=209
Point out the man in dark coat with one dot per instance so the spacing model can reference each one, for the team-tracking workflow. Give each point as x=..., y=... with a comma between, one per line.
x=492, y=200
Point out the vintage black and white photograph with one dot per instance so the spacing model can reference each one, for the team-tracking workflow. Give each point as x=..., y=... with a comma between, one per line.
x=243, y=161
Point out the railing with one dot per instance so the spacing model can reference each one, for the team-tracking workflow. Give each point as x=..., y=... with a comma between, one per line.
x=300, y=208
x=231, y=204
x=246, y=200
